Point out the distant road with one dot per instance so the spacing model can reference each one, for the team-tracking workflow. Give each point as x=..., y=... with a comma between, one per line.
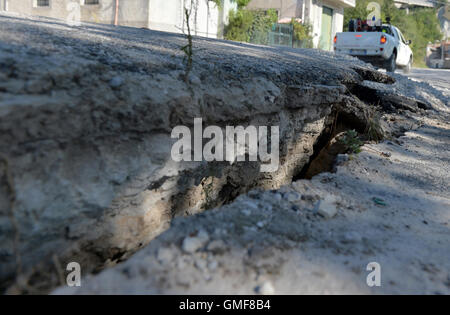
x=439, y=78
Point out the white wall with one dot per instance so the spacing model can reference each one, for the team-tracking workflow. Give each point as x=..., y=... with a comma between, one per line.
x=131, y=12
x=166, y=15
x=338, y=21
x=287, y=9
x=444, y=19
x=206, y=19
x=313, y=14
x=169, y=16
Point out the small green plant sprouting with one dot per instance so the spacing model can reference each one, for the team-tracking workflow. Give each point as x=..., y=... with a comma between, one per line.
x=187, y=49
x=352, y=142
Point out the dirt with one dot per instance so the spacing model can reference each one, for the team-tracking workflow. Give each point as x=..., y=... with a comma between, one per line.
x=392, y=206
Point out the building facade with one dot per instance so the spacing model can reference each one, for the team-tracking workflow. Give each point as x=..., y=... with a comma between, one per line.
x=325, y=16
x=206, y=20
x=444, y=20
x=405, y=4
x=438, y=55
x=3, y=5
x=162, y=15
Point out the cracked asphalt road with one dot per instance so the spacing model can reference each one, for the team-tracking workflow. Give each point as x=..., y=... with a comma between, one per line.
x=439, y=78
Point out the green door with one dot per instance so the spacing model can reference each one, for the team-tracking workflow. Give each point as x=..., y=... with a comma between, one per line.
x=327, y=22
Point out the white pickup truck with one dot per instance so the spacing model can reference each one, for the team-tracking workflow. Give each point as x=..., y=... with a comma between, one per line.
x=384, y=48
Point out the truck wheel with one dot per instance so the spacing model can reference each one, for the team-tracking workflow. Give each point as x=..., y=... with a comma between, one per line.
x=391, y=63
x=407, y=68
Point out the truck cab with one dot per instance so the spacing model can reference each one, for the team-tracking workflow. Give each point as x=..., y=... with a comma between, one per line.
x=383, y=46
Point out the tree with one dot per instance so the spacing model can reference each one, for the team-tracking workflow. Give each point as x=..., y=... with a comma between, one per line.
x=250, y=25
x=302, y=34
x=239, y=25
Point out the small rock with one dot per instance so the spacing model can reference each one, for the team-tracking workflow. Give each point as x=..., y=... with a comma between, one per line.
x=38, y=86
x=352, y=237
x=216, y=245
x=327, y=207
x=309, y=198
x=284, y=189
x=200, y=264
x=254, y=193
x=181, y=263
x=220, y=232
x=116, y=82
x=207, y=277
x=165, y=255
x=194, y=79
x=341, y=158
x=203, y=234
x=191, y=244
x=265, y=289
x=277, y=197
x=250, y=205
x=212, y=265
x=261, y=224
x=293, y=196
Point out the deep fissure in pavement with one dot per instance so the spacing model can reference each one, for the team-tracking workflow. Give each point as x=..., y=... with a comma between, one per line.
x=330, y=144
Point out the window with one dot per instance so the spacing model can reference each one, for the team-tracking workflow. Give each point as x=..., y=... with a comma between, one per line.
x=387, y=30
x=91, y=2
x=43, y=3
x=402, y=37
x=394, y=30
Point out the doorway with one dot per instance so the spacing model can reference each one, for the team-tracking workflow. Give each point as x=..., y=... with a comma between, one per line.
x=327, y=23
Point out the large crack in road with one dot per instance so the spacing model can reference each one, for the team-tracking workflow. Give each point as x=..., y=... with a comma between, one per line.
x=85, y=120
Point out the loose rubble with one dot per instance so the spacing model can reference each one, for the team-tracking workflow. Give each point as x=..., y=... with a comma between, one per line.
x=327, y=206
